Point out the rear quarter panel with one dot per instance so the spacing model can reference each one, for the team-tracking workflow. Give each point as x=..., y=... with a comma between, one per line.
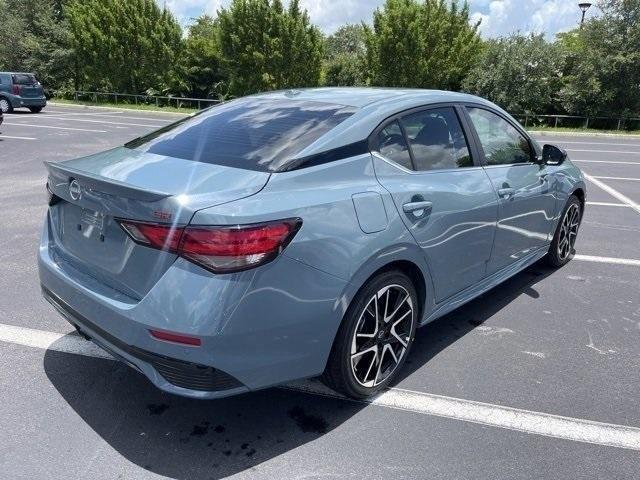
x=331, y=238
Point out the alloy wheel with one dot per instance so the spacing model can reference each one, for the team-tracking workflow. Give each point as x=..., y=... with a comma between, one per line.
x=4, y=105
x=568, y=231
x=382, y=335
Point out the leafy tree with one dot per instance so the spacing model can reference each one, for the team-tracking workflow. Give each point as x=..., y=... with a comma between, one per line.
x=265, y=46
x=428, y=44
x=125, y=45
x=348, y=39
x=345, y=57
x=603, y=72
x=521, y=73
x=198, y=72
x=13, y=29
x=37, y=40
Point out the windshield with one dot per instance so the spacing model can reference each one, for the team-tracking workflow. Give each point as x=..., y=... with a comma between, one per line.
x=250, y=133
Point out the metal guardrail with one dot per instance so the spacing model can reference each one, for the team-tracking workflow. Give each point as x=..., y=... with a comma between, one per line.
x=131, y=99
x=577, y=121
x=529, y=120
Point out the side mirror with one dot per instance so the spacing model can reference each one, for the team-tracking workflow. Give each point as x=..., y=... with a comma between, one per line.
x=552, y=155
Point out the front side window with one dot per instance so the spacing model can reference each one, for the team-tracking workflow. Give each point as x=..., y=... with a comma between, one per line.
x=251, y=133
x=502, y=143
x=393, y=145
x=437, y=140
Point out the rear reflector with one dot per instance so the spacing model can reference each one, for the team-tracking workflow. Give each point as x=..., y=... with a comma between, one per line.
x=220, y=249
x=175, y=338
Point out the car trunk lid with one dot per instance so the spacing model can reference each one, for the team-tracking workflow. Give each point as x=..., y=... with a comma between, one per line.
x=95, y=191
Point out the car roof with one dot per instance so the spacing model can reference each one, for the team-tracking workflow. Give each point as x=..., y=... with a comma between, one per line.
x=373, y=106
x=360, y=97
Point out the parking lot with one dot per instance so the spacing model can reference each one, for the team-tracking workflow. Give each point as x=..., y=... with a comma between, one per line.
x=538, y=378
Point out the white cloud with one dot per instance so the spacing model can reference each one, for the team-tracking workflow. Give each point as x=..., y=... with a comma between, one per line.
x=501, y=17
x=498, y=17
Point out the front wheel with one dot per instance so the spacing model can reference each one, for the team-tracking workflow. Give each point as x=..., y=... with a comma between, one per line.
x=5, y=106
x=562, y=248
x=375, y=336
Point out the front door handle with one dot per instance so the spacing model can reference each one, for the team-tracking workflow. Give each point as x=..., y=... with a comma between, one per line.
x=417, y=208
x=506, y=192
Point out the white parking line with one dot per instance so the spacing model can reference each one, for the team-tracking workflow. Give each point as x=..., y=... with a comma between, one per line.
x=55, y=128
x=613, y=192
x=606, y=161
x=613, y=260
x=607, y=204
x=526, y=421
x=618, y=178
x=16, y=138
x=604, y=151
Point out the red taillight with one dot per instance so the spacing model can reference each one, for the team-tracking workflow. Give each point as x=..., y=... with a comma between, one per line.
x=162, y=237
x=16, y=89
x=221, y=249
x=175, y=338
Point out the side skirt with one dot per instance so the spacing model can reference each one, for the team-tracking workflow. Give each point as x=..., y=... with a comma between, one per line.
x=484, y=285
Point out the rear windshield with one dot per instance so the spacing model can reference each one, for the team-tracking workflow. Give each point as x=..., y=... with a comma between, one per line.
x=24, y=79
x=251, y=133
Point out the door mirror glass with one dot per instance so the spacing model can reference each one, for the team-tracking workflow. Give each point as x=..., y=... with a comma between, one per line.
x=552, y=155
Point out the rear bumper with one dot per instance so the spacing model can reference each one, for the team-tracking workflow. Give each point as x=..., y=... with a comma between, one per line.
x=18, y=101
x=258, y=328
x=186, y=375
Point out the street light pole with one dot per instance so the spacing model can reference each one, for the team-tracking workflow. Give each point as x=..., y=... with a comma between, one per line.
x=584, y=6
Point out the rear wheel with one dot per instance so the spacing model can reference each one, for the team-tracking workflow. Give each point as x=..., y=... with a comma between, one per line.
x=562, y=247
x=375, y=336
x=5, y=105
x=35, y=109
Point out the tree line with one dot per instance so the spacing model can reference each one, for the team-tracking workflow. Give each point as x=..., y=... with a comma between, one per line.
x=136, y=46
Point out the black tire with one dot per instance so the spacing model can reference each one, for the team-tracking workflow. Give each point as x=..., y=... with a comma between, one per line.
x=562, y=248
x=5, y=105
x=339, y=373
x=35, y=109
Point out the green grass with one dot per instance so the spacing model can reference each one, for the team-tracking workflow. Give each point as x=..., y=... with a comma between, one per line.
x=127, y=106
x=581, y=130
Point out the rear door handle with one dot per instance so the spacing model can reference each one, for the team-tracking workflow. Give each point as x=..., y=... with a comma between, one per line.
x=415, y=207
x=506, y=192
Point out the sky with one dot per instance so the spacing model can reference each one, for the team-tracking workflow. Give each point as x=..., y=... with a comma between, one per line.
x=498, y=17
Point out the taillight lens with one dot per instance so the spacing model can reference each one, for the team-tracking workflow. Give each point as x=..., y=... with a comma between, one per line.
x=162, y=237
x=220, y=249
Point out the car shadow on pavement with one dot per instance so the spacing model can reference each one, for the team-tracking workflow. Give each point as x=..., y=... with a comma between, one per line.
x=186, y=439
x=439, y=334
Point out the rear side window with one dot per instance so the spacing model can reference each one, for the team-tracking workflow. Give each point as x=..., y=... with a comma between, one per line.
x=502, y=143
x=437, y=140
x=393, y=145
x=250, y=133
x=24, y=79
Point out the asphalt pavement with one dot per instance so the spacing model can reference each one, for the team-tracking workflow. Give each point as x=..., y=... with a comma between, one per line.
x=538, y=378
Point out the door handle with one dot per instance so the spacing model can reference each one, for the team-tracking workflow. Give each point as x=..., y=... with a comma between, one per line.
x=415, y=207
x=506, y=192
